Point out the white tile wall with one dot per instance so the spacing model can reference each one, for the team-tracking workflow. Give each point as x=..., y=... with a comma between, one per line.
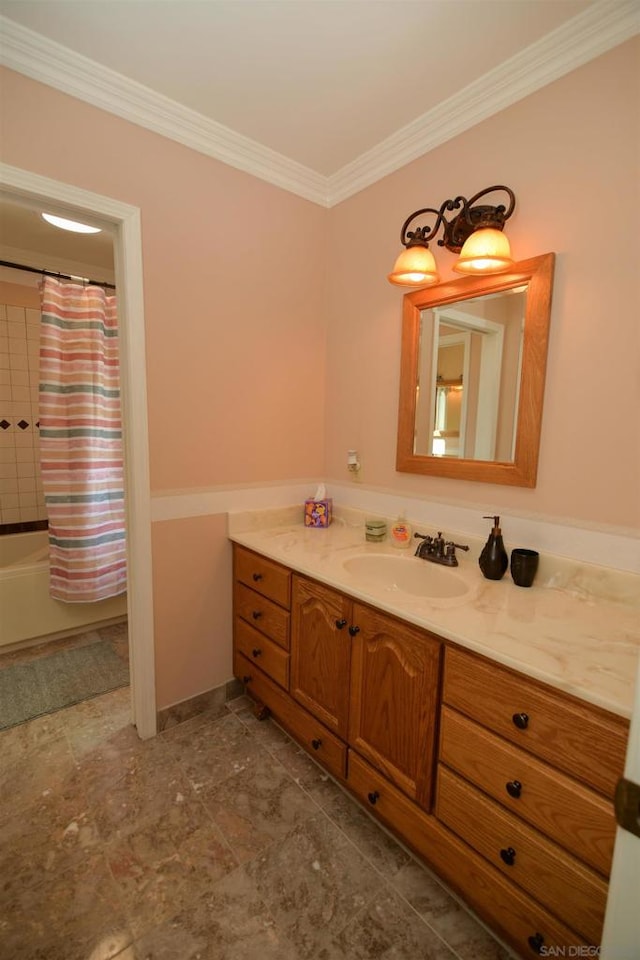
x=21, y=494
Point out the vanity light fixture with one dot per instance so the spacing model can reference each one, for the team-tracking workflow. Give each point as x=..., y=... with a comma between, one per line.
x=475, y=233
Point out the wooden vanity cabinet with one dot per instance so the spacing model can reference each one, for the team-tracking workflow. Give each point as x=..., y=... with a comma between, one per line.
x=510, y=912
x=522, y=778
x=371, y=679
x=261, y=600
x=395, y=674
x=537, y=768
x=321, y=653
x=569, y=734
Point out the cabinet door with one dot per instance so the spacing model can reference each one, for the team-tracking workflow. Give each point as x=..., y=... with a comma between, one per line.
x=321, y=652
x=394, y=691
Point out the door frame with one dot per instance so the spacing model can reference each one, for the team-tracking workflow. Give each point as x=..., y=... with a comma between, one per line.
x=125, y=220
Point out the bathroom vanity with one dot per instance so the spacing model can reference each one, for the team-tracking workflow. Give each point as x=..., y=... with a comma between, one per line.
x=500, y=780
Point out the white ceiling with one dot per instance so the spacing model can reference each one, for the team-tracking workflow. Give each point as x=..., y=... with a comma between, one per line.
x=319, y=81
x=321, y=97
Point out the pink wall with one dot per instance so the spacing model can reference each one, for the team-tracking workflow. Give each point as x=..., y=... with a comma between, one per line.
x=235, y=350
x=571, y=153
x=191, y=606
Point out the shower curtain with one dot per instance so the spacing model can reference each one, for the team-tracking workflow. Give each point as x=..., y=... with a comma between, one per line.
x=81, y=442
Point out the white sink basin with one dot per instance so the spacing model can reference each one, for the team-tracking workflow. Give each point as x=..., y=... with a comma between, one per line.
x=421, y=578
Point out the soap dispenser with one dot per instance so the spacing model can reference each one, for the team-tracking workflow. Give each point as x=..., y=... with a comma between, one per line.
x=493, y=559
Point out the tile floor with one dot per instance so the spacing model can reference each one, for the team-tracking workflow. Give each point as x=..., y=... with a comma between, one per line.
x=219, y=839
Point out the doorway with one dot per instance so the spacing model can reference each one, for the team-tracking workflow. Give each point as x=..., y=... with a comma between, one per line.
x=124, y=219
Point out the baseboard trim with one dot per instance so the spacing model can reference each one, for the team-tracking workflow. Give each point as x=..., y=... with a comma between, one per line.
x=202, y=703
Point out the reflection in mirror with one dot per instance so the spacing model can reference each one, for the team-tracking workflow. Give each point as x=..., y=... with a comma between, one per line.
x=472, y=377
x=471, y=352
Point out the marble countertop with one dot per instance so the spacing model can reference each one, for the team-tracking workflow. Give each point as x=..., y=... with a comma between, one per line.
x=577, y=628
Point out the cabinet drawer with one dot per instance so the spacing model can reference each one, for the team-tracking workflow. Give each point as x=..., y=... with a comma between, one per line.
x=573, y=736
x=574, y=816
x=269, y=578
x=265, y=654
x=323, y=746
x=543, y=869
x=514, y=915
x=263, y=614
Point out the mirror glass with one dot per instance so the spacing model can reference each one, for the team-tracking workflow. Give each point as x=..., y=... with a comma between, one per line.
x=469, y=361
x=472, y=375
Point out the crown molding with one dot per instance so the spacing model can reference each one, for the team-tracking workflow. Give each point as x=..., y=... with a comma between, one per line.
x=590, y=34
x=601, y=27
x=49, y=62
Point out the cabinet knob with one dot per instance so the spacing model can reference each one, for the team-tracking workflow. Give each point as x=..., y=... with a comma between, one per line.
x=257, y=577
x=316, y=744
x=373, y=797
x=353, y=631
x=508, y=856
x=514, y=788
x=256, y=652
x=246, y=679
x=341, y=623
x=536, y=942
x=521, y=720
x=256, y=614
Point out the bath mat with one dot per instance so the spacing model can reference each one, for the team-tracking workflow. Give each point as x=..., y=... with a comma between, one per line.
x=59, y=680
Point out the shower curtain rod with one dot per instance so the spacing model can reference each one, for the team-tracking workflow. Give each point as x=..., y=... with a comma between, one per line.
x=58, y=276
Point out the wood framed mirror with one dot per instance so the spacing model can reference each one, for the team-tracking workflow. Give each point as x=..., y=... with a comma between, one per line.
x=474, y=356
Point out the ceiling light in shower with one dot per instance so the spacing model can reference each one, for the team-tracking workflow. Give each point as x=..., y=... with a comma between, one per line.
x=72, y=225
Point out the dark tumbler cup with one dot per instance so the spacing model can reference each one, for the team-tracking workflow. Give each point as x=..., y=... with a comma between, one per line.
x=524, y=564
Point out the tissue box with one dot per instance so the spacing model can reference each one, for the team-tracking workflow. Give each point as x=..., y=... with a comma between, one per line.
x=317, y=513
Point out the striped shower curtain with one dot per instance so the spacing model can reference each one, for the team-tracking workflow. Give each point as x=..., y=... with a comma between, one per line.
x=81, y=442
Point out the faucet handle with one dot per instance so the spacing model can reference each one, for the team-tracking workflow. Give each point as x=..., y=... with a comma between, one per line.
x=439, y=544
x=450, y=554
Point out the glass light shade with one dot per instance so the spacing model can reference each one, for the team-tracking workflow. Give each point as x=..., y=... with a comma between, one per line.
x=415, y=267
x=485, y=251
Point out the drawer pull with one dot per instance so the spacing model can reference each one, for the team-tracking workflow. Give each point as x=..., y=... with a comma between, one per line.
x=256, y=614
x=257, y=577
x=256, y=652
x=353, y=631
x=514, y=788
x=340, y=624
x=508, y=856
x=316, y=744
x=536, y=942
x=373, y=797
x=246, y=679
x=521, y=720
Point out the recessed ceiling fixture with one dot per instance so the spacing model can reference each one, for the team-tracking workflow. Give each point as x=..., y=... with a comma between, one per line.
x=475, y=233
x=72, y=225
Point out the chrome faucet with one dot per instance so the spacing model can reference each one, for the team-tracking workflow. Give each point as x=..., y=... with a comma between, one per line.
x=438, y=550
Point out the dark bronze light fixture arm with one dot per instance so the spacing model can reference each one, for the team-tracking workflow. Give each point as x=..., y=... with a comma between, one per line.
x=457, y=229
x=423, y=235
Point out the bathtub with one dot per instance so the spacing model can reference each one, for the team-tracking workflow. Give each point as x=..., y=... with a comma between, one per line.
x=28, y=612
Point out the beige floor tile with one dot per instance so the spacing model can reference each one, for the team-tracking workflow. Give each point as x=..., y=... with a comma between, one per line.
x=219, y=839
